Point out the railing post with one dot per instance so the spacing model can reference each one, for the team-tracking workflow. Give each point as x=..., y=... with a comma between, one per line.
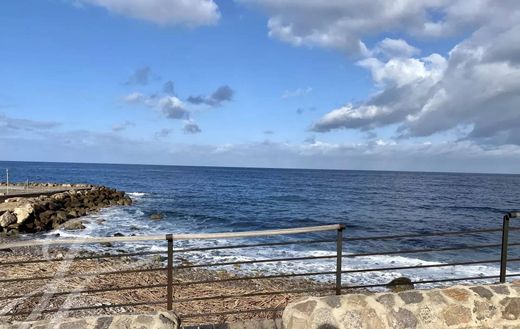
x=503, y=256
x=339, y=258
x=169, y=288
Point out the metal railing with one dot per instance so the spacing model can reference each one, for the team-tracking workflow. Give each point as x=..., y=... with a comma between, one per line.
x=504, y=245
x=339, y=276
x=170, y=285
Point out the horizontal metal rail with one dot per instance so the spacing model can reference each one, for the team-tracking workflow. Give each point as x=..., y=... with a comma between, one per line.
x=422, y=235
x=83, y=275
x=345, y=287
x=416, y=251
x=248, y=234
x=240, y=246
x=254, y=294
x=59, y=259
x=255, y=261
x=93, y=291
x=263, y=277
x=423, y=266
x=78, y=241
x=178, y=237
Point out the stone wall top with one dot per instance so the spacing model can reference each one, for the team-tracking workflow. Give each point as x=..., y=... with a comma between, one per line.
x=159, y=320
x=457, y=307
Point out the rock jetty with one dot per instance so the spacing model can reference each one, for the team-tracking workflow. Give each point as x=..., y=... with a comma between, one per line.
x=50, y=211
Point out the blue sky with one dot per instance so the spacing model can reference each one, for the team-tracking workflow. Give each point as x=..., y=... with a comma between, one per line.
x=260, y=83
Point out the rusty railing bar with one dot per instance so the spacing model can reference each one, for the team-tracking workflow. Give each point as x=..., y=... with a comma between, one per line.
x=412, y=251
x=149, y=238
x=420, y=235
x=420, y=266
x=254, y=261
x=256, y=278
x=144, y=253
x=268, y=244
x=279, y=292
x=61, y=293
x=424, y=281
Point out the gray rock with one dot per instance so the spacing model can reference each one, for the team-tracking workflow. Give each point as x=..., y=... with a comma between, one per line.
x=387, y=300
x=73, y=225
x=156, y=216
x=403, y=318
x=482, y=292
x=400, y=284
x=7, y=218
x=500, y=289
x=456, y=315
x=411, y=297
x=511, y=308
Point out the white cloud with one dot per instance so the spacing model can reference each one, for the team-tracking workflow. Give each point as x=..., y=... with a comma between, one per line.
x=395, y=48
x=475, y=89
x=343, y=24
x=164, y=12
x=401, y=71
x=380, y=154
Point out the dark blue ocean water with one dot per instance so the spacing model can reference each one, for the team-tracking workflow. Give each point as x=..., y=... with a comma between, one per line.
x=206, y=199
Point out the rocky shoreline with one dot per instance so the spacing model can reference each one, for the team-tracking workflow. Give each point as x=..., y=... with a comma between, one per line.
x=53, y=210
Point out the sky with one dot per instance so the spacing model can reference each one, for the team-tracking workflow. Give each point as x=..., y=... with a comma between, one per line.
x=420, y=85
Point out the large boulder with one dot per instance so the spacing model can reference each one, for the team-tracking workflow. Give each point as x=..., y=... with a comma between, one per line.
x=7, y=218
x=23, y=212
x=73, y=225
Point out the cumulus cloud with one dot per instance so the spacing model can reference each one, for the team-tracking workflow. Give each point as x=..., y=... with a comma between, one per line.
x=173, y=108
x=191, y=127
x=164, y=12
x=395, y=48
x=296, y=92
x=219, y=96
x=344, y=24
x=122, y=126
x=477, y=86
x=474, y=89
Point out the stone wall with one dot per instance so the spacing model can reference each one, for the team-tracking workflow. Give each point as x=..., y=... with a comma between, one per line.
x=457, y=307
x=160, y=320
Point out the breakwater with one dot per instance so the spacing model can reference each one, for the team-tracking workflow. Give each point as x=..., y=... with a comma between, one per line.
x=49, y=206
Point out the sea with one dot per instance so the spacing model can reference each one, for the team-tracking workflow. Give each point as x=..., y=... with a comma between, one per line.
x=368, y=203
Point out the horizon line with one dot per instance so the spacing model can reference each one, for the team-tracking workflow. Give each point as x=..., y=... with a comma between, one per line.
x=265, y=168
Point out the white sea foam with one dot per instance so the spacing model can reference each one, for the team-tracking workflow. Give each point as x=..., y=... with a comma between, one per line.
x=136, y=194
